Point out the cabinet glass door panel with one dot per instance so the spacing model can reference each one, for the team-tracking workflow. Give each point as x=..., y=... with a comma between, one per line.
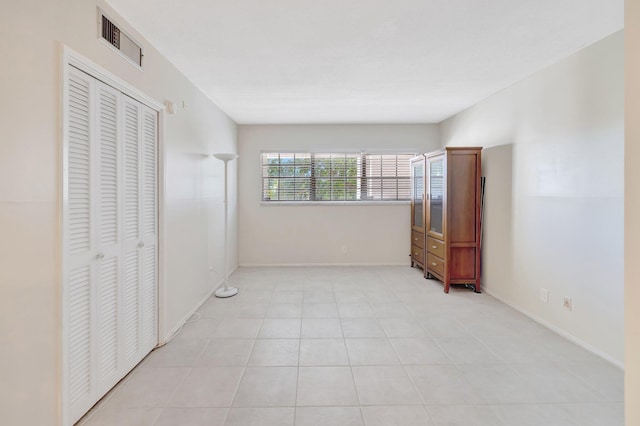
x=436, y=195
x=418, y=194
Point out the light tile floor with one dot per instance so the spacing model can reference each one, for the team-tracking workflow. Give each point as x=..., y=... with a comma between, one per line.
x=349, y=346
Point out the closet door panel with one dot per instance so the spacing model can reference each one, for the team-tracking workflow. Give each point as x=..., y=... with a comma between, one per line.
x=80, y=269
x=79, y=362
x=108, y=285
x=108, y=118
x=149, y=298
x=78, y=157
x=108, y=320
x=149, y=141
x=132, y=213
x=131, y=150
x=148, y=293
x=131, y=308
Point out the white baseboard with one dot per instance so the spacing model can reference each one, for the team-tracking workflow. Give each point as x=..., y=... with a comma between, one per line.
x=561, y=332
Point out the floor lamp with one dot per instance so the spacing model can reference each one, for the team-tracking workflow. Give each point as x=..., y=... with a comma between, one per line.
x=225, y=290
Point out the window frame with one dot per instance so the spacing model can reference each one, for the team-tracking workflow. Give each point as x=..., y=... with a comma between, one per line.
x=368, y=201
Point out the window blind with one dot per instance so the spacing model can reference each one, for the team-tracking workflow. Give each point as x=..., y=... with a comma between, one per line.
x=335, y=176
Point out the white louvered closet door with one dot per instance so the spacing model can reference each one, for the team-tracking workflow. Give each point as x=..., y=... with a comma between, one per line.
x=149, y=229
x=80, y=245
x=132, y=235
x=140, y=240
x=110, y=239
x=108, y=234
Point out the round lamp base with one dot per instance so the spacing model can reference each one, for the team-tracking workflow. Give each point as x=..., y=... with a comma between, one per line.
x=226, y=292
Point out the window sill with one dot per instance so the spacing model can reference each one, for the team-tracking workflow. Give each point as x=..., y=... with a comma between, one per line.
x=334, y=203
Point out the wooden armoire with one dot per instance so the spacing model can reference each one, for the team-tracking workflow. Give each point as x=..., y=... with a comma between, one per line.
x=453, y=198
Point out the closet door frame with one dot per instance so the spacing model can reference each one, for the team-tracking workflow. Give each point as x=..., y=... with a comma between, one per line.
x=71, y=58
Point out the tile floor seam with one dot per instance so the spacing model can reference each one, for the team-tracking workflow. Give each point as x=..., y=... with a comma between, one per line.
x=487, y=347
x=435, y=340
x=175, y=389
x=295, y=401
x=197, y=358
x=567, y=372
x=353, y=377
x=244, y=370
x=590, y=385
x=415, y=387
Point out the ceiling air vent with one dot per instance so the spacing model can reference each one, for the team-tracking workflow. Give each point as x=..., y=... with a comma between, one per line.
x=120, y=41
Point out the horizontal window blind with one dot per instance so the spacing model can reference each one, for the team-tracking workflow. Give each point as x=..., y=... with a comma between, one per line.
x=335, y=176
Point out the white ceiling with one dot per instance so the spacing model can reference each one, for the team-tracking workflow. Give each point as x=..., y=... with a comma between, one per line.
x=363, y=61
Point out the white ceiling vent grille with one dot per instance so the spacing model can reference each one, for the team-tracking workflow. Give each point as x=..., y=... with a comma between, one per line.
x=121, y=42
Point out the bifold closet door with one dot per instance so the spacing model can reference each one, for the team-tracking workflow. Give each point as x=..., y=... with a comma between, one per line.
x=149, y=229
x=108, y=259
x=80, y=245
x=110, y=238
x=140, y=230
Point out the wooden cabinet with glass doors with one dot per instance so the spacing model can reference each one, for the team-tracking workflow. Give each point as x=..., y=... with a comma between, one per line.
x=452, y=216
x=417, y=211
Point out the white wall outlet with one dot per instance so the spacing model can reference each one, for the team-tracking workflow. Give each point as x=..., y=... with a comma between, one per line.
x=185, y=105
x=344, y=249
x=544, y=295
x=567, y=303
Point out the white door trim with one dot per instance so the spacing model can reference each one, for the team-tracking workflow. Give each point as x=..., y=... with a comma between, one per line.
x=71, y=58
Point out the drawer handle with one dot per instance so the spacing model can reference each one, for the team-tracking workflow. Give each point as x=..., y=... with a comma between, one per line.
x=434, y=264
x=434, y=247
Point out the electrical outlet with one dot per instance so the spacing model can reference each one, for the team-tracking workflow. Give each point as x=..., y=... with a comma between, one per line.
x=567, y=303
x=344, y=249
x=544, y=295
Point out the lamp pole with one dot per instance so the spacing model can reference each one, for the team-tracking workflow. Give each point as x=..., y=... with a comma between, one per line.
x=224, y=290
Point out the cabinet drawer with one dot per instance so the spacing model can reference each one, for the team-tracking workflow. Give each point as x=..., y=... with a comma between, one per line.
x=435, y=264
x=417, y=254
x=436, y=247
x=417, y=239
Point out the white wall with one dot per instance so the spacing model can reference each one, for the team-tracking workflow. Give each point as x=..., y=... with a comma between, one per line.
x=313, y=234
x=31, y=33
x=632, y=212
x=558, y=222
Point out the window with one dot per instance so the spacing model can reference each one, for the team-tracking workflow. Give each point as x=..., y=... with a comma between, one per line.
x=335, y=177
